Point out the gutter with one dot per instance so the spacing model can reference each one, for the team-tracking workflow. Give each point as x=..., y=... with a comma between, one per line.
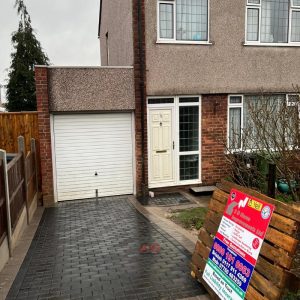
x=100, y=17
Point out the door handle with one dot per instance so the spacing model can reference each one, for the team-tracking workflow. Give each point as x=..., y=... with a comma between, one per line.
x=161, y=151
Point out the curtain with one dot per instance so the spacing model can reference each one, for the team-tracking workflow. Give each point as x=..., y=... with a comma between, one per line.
x=235, y=122
x=191, y=20
x=274, y=21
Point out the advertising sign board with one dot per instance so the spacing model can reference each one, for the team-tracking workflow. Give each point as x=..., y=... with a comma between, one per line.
x=237, y=245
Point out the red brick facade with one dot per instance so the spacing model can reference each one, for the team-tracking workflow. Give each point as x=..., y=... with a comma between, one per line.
x=141, y=153
x=41, y=79
x=214, y=132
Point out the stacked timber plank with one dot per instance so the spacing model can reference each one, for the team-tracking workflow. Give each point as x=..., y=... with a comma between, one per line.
x=272, y=272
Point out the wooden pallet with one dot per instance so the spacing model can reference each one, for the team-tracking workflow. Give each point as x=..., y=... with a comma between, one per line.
x=272, y=272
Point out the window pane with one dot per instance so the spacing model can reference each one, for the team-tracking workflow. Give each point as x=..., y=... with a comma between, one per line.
x=262, y=115
x=161, y=101
x=252, y=24
x=274, y=21
x=189, y=167
x=295, y=34
x=166, y=22
x=191, y=20
x=188, y=100
x=254, y=1
x=188, y=128
x=235, y=99
x=293, y=99
x=296, y=2
x=235, y=120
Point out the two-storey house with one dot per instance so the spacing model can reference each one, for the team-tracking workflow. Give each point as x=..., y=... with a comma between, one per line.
x=196, y=64
x=173, y=89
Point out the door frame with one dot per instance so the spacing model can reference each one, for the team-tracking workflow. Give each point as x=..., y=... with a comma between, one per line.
x=175, y=134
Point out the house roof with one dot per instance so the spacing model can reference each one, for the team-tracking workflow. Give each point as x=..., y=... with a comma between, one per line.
x=100, y=14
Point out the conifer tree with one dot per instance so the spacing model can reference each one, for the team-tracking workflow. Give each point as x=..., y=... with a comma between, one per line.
x=27, y=52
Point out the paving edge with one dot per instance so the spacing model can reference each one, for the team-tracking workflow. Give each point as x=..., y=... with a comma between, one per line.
x=182, y=236
x=187, y=240
x=12, y=267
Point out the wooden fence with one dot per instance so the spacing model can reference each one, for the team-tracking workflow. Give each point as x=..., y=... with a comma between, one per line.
x=16, y=186
x=31, y=174
x=3, y=220
x=21, y=177
x=272, y=272
x=13, y=125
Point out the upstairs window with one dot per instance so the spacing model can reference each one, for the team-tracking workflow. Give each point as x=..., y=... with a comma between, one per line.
x=273, y=21
x=183, y=21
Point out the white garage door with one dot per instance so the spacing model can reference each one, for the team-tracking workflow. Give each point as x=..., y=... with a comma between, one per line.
x=93, y=151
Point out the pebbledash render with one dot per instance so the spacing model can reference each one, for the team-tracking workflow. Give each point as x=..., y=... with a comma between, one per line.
x=201, y=60
x=195, y=64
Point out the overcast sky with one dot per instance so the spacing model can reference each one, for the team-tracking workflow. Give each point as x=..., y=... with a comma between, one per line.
x=67, y=30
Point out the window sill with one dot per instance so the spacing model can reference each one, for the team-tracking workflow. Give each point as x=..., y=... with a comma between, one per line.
x=183, y=42
x=272, y=44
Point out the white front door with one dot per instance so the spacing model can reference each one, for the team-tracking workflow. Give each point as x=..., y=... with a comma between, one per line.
x=161, y=145
x=174, y=141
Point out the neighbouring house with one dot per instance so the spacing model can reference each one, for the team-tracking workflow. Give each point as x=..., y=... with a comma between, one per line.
x=175, y=78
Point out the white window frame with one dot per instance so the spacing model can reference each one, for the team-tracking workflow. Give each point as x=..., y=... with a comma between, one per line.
x=241, y=106
x=174, y=40
x=288, y=103
x=235, y=105
x=293, y=103
x=292, y=9
x=175, y=106
x=258, y=42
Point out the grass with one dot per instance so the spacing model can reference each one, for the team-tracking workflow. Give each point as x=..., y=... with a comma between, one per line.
x=284, y=198
x=292, y=296
x=190, y=218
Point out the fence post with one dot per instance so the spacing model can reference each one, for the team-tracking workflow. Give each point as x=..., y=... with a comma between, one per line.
x=33, y=150
x=21, y=149
x=8, y=219
x=272, y=180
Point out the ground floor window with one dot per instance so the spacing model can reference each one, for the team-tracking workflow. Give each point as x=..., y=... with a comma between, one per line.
x=253, y=118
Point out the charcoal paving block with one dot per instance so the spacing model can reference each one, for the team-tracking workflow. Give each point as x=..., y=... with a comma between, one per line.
x=169, y=199
x=91, y=250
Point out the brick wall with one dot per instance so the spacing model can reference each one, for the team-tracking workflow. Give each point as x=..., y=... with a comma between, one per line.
x=41, y=80
x=140, y=95
x=214, y=132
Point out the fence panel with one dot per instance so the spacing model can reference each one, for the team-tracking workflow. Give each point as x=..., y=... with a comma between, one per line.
x=3, y=220
x=16, y=182
x=31, y=176
x=13, y=125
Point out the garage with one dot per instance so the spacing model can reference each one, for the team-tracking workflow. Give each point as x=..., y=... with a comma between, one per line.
x=92, y=152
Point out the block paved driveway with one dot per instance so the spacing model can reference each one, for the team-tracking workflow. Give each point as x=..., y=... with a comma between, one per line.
x=90, y=249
